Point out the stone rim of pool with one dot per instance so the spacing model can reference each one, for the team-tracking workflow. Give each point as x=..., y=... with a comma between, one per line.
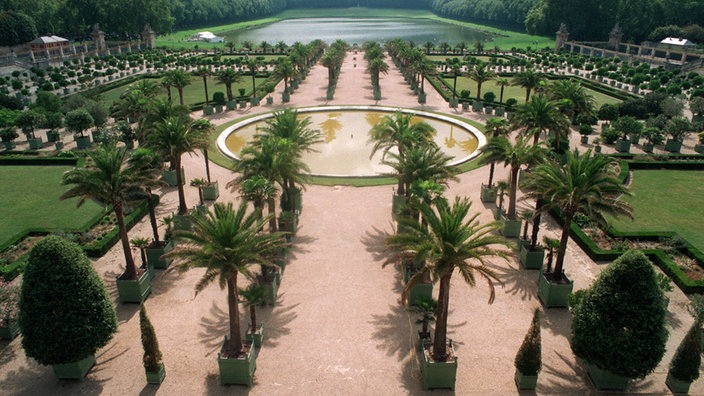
x=467, y=128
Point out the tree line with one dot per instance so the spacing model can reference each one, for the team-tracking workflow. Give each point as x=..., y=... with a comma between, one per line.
x=585, y=19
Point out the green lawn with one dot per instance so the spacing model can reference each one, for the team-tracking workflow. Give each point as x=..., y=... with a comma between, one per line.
x=516, y=92
x=192, y=93
x=667, y=200
x=30, y=200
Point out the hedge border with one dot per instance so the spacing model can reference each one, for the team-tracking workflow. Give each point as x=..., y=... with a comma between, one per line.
x=659, y=257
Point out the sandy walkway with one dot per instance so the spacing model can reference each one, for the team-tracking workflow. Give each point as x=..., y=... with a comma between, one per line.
x=338, y=326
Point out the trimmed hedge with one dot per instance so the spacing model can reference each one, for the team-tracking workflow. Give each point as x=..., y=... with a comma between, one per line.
x=657, y=256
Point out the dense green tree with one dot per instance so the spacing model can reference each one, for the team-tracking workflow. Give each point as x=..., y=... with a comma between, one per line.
x=16, y=28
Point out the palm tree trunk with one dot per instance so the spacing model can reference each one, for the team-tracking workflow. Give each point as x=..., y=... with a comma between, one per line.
x=228, y=88
x=130, y=270
x=234, y=344
x=536, y=136
x=205, y=86
x=440, y=341
x=511, y=214
x=501, y=95
x=182, y=208
x=272, y=212
x=207, y=164
x=254, y=82
x=491, y=173
x=454, y=88
x=527, y=94
x=536, y=223
x=152, y=215
x=253, y=318
x=479, y=90
x=557, y=274
x=168, y=92
x=180, y=95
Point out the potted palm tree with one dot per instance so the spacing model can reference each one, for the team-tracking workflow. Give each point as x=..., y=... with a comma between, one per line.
x=235, y=242
x=9, y=311
x=619, y=327
x=585, y=183
x=200, y=183
x=142, y=244
x=252, y=297
x=528, y=360
x=111, y=180
x=81, y=317
x=152, y=359
x=448, y=241
x=512, y=155
x=496, y=127
x=426, y=309
x=684, y=367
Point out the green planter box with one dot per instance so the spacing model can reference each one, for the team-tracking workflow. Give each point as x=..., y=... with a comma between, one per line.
x=285, y=97
x=75, y=370
x=438, y=374
x=10, y=331
x=9, y=145
x=288, y=223
x=53, y=136
x=635, y=139
x=257, y=337
x=169, y=176
x=699, y=148
x=211, y=191
x=422, y=98
x=465, y=106
x=477, y=106
x=156, y=377
x=673, y=146
x=488, y=195
x=648, y=147
x=208, y=110
x=232, y=105
x=511, y=229
x=554, y=295
x=154, y=253
x=677, y=386
x=254, y=101
x=420, y=291
x=35, y=144
x=218, y=108
x=237, y=371
x=526, y=382
x=134, y=291
x=269, y=100
x=499, y=111
x=243, y=104
x=623, y=146
x=182, y=223
x=584, y=139
x=532, y=259
x=597, y=149
x=453, y=103
x=271, y=290
x=606, y=380
x=398, y=205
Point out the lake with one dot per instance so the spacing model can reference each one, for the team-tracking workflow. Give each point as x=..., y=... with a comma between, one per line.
x=357, y=30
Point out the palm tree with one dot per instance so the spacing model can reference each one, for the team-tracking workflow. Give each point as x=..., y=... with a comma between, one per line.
x=226, y=242
x=253, y=67
x=179, y=79
x=375, y=67
x=580, y=100
x=456, y=72
x=539, y=115
x=551, y=244
x=528, y=79
x=252, y=297
x=585, y=184
x=258, y=190
x=495, y=127
x=228, y=77
x=285, y=70
x=173, y=137
x=500, y=149
x=502, y=82
x=448, y=243
x=142, y=244
x=204, y=72
x=231, y=46
x=425, y=307
x=150, y=161
x=481, y=73
x=429, y=46
x=398, y=132
x=425, y=162
x=109, y=181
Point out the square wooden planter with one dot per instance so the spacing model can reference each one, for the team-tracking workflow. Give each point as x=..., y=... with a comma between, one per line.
x=156, y=377
x=554, y=295
x=531, y=259
x=154, y=254
x=438, y=374
x=526, y=382
x=420, y=291
x=606, y=380
x=257, y=337
x=211, y=191
x=622, y=145
x=35, y=144
x=677, y=386
x=83, y=142
x=235, y=371
x=74, y=370
x=169, y=176
x=488, y=195
x=10, y=331
x=673, y=146
x=134, y=291
x=511, y=229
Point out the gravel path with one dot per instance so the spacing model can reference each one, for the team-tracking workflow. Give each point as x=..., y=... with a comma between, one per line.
x=338, y=326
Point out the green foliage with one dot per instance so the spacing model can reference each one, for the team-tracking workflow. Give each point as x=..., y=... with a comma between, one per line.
x=619, y=325
x=219, y=98
x=609, y=135
x=77, y=121
x=688, y=357
x=16, y=28
x=152, y=355
x=528, y=359
x=65, y=311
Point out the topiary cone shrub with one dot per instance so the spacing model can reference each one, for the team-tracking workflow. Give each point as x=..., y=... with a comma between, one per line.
x=528, y=359
x=685, y=364
x=66, y=314
x=152, y=354
x=619, y=324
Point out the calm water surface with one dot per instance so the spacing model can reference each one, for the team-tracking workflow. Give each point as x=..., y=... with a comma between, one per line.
x=357, y=30
x=345, y=149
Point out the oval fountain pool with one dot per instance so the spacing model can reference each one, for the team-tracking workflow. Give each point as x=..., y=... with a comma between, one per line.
x=345, y=131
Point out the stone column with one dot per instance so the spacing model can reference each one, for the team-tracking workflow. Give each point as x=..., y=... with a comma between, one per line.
x=99, y=39
x=615, y=37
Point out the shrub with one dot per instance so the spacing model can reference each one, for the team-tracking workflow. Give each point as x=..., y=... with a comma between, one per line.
x=685, y=364
x=528, y=360
x=609, y=135
x=585, y=129
x=219, y=98
x=464, y=94
x=66, y=313
x=619, y=325
x=489, y=96
x=511, y=103
x=152, y=354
